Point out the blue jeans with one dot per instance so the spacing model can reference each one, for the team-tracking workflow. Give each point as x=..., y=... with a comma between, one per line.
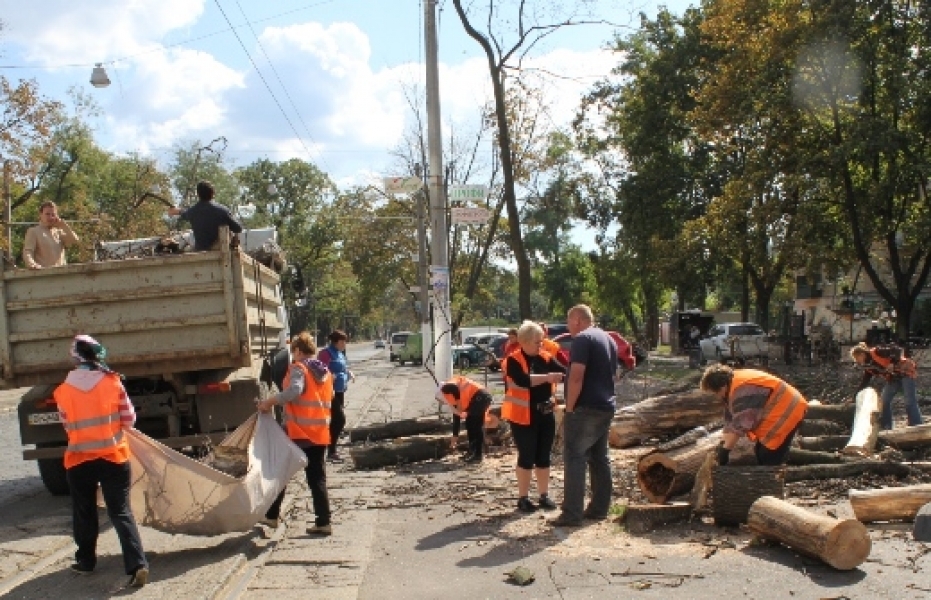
x=906, y=385
x=586, y=447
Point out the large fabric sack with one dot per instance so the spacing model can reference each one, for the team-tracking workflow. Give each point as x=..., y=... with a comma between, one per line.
x=174, y=493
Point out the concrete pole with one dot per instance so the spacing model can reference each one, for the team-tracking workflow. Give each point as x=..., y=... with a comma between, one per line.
x=439, y=254
x=8, y=210
x=423, y=276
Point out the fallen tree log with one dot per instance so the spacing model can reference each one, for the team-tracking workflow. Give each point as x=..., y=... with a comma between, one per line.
x=842, y=544
x=798, y=456
x=735, y=489
x=400, y=451
x=823, y=443
x=865, y=425
x=889, y=504
x=907, y=438
x=811, y=427
x=850, y=469
x=839, y=413
x=398, y=429
x=663, y=415
x=646, y=517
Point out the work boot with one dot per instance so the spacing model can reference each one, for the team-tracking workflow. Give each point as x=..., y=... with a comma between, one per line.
x=139, y=578
x=546, y=503
x=524, y=505
x=320, y=530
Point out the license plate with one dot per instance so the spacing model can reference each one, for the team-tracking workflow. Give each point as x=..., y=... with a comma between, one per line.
x=44, y=418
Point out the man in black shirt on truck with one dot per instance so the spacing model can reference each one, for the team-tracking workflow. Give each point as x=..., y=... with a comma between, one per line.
x=206, y=217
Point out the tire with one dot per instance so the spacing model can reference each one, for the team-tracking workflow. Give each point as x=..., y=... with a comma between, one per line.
x=400, y=362
x=54, y=476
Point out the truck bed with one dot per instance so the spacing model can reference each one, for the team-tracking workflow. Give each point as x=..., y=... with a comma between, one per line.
x=156, y=315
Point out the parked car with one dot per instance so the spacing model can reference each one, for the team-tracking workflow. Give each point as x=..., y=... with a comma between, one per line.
x=469, y=355
x=483, y=340
x=733, y=340
x=396, y=341
x=554, y=330
x=379, y=344
x=412, y=350
x=496, y=347
x=627, y=353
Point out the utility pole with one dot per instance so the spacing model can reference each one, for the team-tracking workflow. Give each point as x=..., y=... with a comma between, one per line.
x=8, y=210
x=438, y=242
x=423, y=275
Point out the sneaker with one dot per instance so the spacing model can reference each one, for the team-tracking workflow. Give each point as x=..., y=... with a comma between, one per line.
x=139, y=578
x=564, y=521
x=525, y=505
x=545, y=503
x=82, y=569
x=272, y=523
x=321, y=530
x=593, y=516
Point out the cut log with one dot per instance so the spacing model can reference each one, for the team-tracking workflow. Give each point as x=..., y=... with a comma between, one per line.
x=824, y=443
x=397, y=429
x=797, y=456
x=400, y=451
x=865, y=425
x=851, y=469
x=647, y=517
x=907, y=438
x=810, y=427
x=663, y=415
x=889, y=504
x=735, y=489
x=662, y=475
x=839, y=413
x=842, y=544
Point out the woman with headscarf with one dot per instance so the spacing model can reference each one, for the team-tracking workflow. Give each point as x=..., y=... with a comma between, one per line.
x=95, y=411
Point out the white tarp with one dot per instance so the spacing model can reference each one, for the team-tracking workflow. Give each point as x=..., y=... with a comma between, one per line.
x=174, y=493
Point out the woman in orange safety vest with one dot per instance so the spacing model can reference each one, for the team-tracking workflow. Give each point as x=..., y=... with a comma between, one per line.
x=531, y=376
x=95, y=411
x=898, y=371
x=469, y=401
x=758, y=405
x=307, y=397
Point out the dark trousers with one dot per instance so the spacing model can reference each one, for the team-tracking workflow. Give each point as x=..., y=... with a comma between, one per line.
x=475, y=422
x=535, y=441
x=585, y=448
x=114, y=480
x=316, y=481
x=774, y=458
x=337, y=419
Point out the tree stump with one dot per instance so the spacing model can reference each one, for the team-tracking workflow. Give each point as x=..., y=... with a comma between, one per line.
x=644, y=518
x=865, y=425
x=889, y=504
x=735, y=489
x=907, y=438
x=662, y=415
x=400, y=451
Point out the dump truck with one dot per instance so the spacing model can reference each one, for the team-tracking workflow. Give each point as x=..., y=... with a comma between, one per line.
x=197, y=337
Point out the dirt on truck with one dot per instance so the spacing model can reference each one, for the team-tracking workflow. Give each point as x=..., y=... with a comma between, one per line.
x=190, y=332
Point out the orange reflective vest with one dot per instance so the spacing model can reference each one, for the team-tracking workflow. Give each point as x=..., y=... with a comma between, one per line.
x=307, y=417
x=904, y=368
x=93, y=422
x=467, y=391
x=516, y=406
x=550, y=347
x=783, y=411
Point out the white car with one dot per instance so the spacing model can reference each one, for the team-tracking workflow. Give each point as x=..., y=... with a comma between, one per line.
x=734, y=340
x=483, y=340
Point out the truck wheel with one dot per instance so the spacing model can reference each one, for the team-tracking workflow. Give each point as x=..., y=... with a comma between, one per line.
x=53, y=474
x=400, y=362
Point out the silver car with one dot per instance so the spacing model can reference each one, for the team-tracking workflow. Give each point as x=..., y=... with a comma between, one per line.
x=734, y=340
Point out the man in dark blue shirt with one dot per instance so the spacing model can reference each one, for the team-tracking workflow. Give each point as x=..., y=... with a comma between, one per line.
x=206, y=217
x=589, y=412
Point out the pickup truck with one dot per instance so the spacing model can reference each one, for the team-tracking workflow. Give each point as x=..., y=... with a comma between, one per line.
x=190, y=332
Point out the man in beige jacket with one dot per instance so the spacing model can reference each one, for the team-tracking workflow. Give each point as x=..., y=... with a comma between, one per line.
x=46, y=242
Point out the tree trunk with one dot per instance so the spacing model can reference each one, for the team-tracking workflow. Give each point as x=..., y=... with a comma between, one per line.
x=840, y=413
x=662, y=475
x=646, y=517
x=865, y=425
x=811, y=427
x=845, y=470
x=889, y=504
x=400, y=451
x=662, y=415
x=797, y=456
x=907, y=438
x=824, y=443
x=396, y=429
x=842, y=544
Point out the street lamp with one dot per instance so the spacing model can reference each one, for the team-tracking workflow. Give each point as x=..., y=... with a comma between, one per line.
x=99, y=77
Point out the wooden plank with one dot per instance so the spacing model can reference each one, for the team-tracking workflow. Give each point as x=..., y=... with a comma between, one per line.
x=120, y=328
x=142, y=293
x=229, y=298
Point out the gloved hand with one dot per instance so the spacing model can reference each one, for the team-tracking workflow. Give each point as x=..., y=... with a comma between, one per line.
x=723, y=455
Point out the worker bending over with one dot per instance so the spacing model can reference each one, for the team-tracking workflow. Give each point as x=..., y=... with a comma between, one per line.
x=469, y=401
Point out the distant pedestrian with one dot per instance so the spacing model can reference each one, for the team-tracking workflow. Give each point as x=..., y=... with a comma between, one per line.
x=307, y=394
x=530, y=378
x=206, y=217
x=469, y=401
x=512, y=344
x=95, y=411
x=890, y=363
x=589, y=410
x=334, y=357
x=45, y=243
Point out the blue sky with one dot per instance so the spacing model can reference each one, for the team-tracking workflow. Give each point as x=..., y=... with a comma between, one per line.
x=343, y=64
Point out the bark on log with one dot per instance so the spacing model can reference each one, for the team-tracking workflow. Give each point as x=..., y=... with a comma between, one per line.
x=797, y=456
x=839, y=413
x=907, y=438
x=811, y=427
x=400, y=451
x=865, y=425
x=842, y=544
x=851, y=469
x=889, y=504
x=397, y=429
x=647, y=517
x=662, y=475
x=662, y=415
x=824, y=443
x=737, y=488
